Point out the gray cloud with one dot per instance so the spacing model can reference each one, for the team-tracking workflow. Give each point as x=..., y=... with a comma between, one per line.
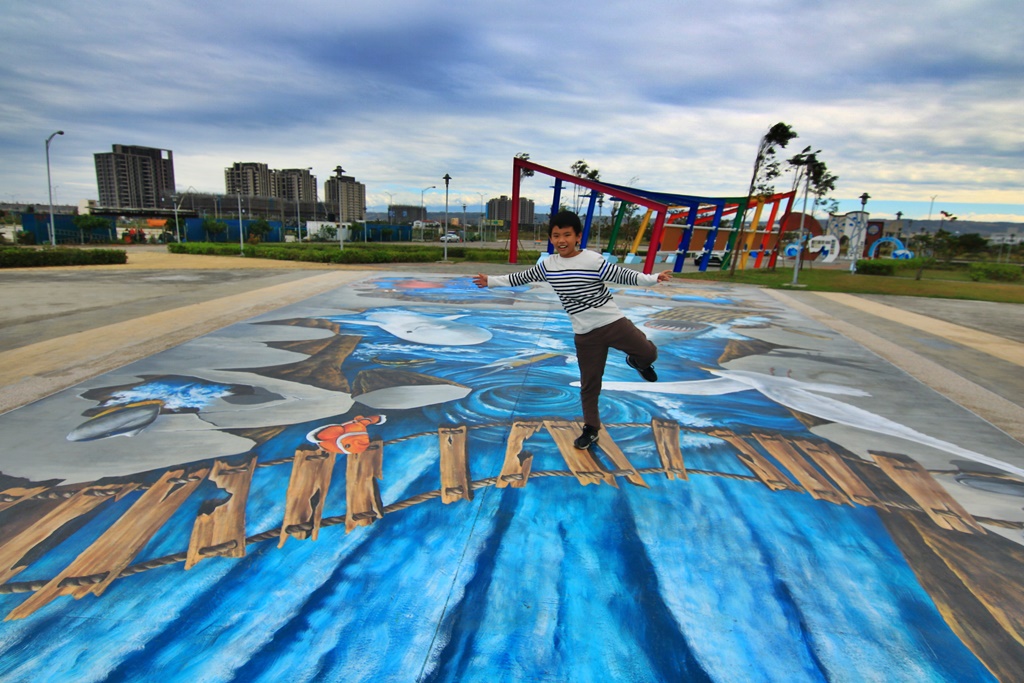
x=905, y=100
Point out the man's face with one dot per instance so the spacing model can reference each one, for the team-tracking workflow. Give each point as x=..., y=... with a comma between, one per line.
x=564, y=241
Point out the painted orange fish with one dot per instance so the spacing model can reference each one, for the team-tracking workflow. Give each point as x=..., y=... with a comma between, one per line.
x=348, y=438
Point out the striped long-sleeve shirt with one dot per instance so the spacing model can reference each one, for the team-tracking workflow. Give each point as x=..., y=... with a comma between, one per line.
x=579, y=283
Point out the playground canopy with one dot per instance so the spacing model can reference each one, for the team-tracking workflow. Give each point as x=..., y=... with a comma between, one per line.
x=685, y=212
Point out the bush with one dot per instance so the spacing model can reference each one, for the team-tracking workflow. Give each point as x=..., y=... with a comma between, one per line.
x=1001, y=272
x=352, y=253
x=876, y=267
x=16, y=257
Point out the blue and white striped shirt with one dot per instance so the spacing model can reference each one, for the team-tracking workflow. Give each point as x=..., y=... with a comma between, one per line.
x=579, y=283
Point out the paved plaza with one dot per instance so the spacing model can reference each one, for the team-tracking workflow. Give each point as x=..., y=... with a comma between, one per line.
x=245, y=470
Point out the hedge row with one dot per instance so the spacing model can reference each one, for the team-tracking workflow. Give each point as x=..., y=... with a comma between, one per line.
x=352, y=253
x=17, y=257
x=1001, y=272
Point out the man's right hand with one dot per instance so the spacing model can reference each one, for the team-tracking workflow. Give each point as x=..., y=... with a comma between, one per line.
x=480, y=280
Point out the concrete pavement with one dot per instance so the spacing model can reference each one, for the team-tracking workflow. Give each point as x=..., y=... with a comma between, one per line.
x=73, y=323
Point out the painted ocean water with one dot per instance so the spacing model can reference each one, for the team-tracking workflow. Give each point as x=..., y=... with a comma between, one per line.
x=713, y=578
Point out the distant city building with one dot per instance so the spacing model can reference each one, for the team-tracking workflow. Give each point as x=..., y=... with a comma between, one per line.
x=255, y=179
x=501, y=209
x=406, y=214
x=135, y=177
x=344, y=193
x=294, y=184
x=248, y=179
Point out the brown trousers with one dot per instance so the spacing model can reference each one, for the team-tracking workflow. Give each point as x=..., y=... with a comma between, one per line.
x=592, y=353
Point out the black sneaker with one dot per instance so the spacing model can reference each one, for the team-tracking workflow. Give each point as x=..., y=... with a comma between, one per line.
x=587, y=439
x=647, y=373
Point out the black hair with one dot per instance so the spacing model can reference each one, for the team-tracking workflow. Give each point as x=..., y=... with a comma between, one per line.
x=565, y=219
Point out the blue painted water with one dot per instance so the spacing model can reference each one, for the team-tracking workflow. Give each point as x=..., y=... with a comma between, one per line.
x=706, y=579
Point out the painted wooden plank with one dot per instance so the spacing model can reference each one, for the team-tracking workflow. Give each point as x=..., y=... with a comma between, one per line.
x=14, y=495
x=219, y=529
x=362, y=492
x=515, y=471
x=762, y=468
x=916, y=481
x=813, y=481
x=622, y=463
x=97, y=567
x=455, y=481
x=840, y=472
x=81, y=502
x=581, y=463
x=666, y=438
x=307, y=489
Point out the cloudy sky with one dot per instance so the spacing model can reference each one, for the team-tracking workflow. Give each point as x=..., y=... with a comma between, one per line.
x=908, y=100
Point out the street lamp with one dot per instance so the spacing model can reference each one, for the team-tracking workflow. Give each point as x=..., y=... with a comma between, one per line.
x=463, y=220
x=338, y=170
x=482, y=213
x=423, y=211
x=298, y=205
x=49, y=187
x=241, y=228
x=391, y=202
x=447, y=179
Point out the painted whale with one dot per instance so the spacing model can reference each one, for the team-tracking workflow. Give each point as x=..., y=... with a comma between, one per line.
x=806, y=397
x=124, y=420
x=426, y=330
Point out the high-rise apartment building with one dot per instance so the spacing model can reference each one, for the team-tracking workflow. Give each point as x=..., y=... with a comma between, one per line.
x=249, y=179
x=254, y=179
x=500, y=209
x=295, y=184
x=135, y=177
x=344, y=193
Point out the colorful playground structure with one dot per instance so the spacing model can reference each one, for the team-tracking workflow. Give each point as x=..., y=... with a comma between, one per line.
x=685, y=224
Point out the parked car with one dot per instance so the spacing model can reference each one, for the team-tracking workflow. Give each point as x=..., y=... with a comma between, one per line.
x=451, y=237
x=714, y=260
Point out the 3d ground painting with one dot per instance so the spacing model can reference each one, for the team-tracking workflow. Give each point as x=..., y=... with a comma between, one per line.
x=379, y=485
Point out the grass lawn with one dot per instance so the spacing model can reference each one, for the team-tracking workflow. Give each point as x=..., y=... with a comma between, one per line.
x=943, y=284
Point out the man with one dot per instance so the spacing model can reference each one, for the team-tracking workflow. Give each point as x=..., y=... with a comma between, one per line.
x=578, y=278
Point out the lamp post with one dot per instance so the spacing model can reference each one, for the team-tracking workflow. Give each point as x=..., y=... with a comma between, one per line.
x=447, y=179
x=391, y=202
x=298, y=205
x=482, y=213
x=863, y=203
x=241, y=228
x=49, y=187
x=181, y=197
x=338, y=170
x=463, y=220
x=423, y=210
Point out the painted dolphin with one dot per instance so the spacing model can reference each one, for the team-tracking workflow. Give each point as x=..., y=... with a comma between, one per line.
x=806, y=397
x=421, y=329
x=122, y=420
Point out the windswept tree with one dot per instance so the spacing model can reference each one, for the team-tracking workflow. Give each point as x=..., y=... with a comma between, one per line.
x=583, y=171
x=767, y=168
x=817, y=180
x=524, y=172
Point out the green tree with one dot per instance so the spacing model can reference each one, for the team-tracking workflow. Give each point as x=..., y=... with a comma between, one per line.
x=259, y=229
x=212, y=228
x=971, y=243
x=88, y=222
